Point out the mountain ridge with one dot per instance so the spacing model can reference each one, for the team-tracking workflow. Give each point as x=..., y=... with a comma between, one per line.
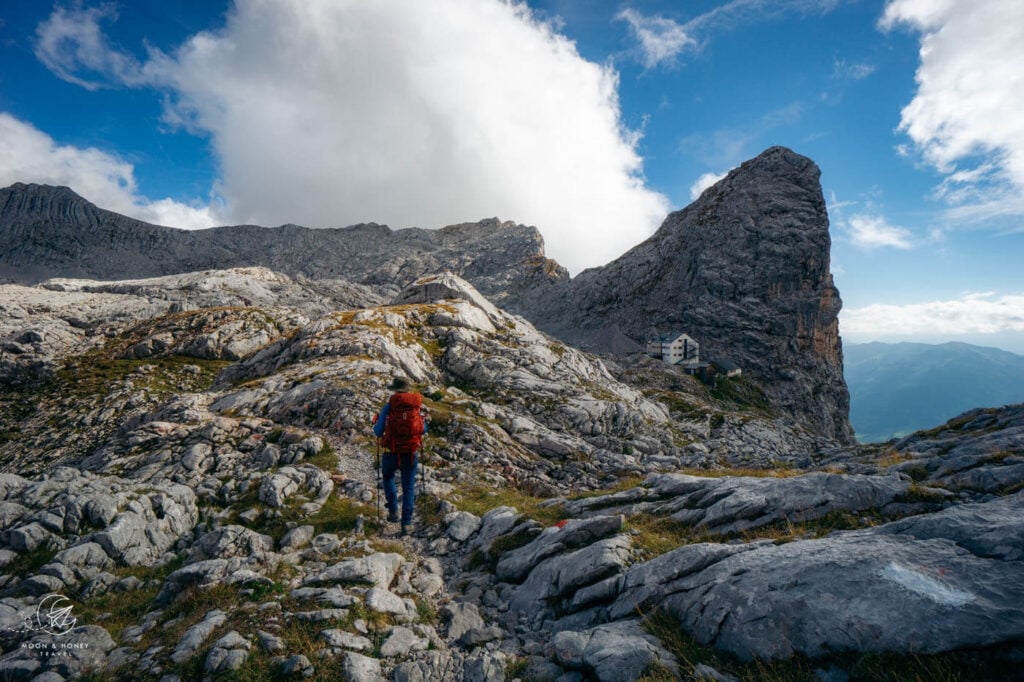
x=48, y=231
x=896, y=389
x=744, y=269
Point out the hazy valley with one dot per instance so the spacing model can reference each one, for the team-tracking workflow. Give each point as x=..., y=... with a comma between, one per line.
x=896, y=389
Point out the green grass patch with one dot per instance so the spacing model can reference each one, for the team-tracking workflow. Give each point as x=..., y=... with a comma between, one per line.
x=893, y=457
x=917, y=473
x=997, y=456
x=741, y=393
x=338, y=515
x=518, y=537
x=426, y=612
x=117, y=610
x=478, y=500
x=94, y=374
x=657, y=535
x=516, y=667
x=28, y=563
x=624, y=483
x=781, y=470
x=428, y=508
x=957, y=423
x=325, y=459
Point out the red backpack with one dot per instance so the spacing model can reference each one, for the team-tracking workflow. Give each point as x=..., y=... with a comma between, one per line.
x=403, y=430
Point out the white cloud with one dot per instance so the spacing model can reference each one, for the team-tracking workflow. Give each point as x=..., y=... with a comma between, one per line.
x=737, y=13
x=30, y=155
x=661, y=39
x=978, y=313
x=970, y=86
x=333, y=112
x=872, y=232
x=72, y=45
x=844, y=70
x=834, y=205
x=703, y=182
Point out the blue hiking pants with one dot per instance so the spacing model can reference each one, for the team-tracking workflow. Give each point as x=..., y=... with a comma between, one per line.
x=389, y=465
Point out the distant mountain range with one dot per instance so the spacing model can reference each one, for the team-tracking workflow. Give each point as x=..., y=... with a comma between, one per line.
x=899, y=388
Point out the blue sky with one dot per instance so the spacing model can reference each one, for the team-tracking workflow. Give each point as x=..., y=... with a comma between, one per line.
x=588, y=119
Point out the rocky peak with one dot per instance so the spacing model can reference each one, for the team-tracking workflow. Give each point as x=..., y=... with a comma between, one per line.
x=745, y=271
x=45, y=202
x=445, y=286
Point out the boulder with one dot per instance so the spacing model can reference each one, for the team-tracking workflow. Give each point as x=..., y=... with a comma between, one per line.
x=358, y=668
x=377, y=569
x=616, y=652
x=194, y=637
x=925, y=584
x=515, y=565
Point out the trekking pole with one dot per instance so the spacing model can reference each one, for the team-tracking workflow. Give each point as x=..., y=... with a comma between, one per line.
x=423, y=445
x=380, y=482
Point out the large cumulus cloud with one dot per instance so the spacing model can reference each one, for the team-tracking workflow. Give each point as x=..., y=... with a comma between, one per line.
x=332, y=112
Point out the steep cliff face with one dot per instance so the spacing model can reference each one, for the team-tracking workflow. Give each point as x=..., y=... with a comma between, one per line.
x=745, y=271
x=48, y=232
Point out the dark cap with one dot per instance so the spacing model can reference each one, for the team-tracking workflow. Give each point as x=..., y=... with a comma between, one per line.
x=400, y=384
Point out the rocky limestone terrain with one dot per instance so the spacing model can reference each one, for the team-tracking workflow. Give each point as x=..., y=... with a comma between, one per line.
x=188, y=492
x=744, y=270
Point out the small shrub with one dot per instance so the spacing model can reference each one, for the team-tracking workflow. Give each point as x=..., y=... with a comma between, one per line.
x=425, y=611
x=917, y=472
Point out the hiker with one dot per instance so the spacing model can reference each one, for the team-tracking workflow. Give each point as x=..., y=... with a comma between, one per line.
x=400, y=427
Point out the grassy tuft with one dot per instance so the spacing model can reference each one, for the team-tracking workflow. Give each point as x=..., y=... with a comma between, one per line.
x=920, y=493
x=338, y=515
x=326, y=458
x=657, y=535
x=893, y=457
x=29, y=563
x=479, y=499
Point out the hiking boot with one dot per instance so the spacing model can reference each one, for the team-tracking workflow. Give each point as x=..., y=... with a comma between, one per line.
x=393, y=516
x=405, y=530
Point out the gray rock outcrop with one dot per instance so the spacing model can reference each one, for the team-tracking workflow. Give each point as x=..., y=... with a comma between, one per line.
x=745, y=271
